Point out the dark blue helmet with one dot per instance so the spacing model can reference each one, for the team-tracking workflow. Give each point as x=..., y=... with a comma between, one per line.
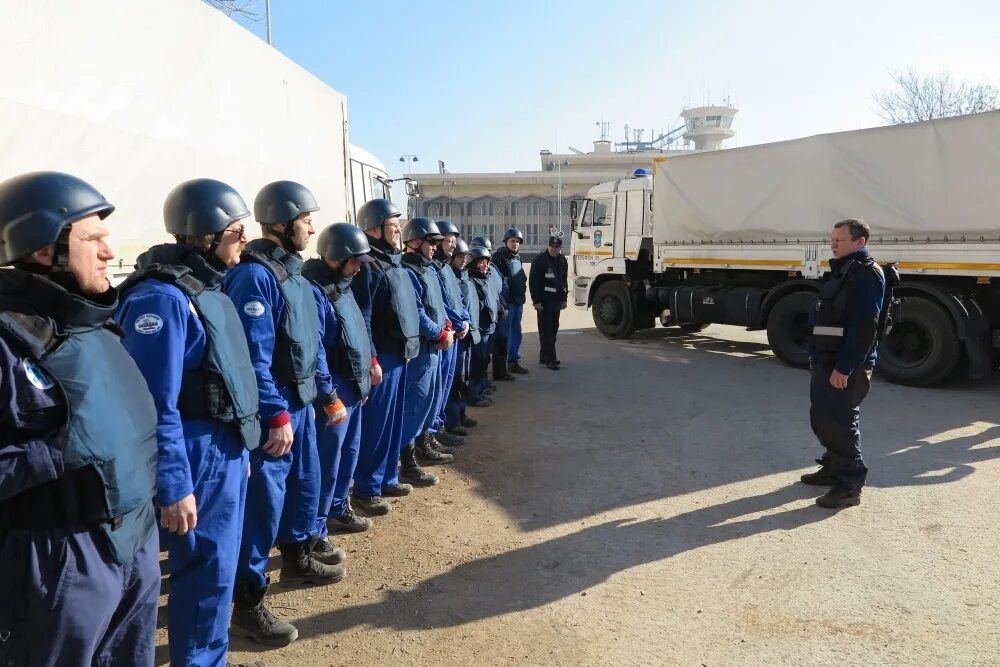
x=36, y=207
x=447, y=228
x=342, y=241
x=420, y=228
x=283, y=201
x=478, y=252
x=482, y=242
x=513, y=233
x=202, y=206
x=461, y=248
x=372, y=214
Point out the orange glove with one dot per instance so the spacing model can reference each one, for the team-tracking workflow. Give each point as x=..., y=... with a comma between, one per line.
x=336, y=412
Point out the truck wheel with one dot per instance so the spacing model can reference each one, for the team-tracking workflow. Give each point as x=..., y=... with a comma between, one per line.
x=922, y=348
x=612, y=310
x=693, y=327
x=788, y=328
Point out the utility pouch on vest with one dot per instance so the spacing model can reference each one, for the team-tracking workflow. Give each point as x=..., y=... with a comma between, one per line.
x=892, y=304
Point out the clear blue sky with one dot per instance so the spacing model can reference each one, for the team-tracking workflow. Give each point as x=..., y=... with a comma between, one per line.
x=485, y=86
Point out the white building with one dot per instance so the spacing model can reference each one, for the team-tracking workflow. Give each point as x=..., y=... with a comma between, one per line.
x=537, y=202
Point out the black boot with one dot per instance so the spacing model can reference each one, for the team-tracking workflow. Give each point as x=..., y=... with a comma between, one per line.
x=323, y=550
x=412, y=473
x=372, y=505
x=427, y=455
x=255, y=663
x=299, y=567
x=348, y=522
x=449, y=439
x=469, y=422
x=839, y=497
x=822, y=477
x=437, y=445
x=516, y=367
x=254, y=621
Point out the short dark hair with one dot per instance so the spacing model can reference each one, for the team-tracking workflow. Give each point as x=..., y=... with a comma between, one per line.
x=859, y=228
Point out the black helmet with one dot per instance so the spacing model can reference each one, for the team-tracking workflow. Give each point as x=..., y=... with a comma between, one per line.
x=202, y=206
x=461, y=248
x=482, y=242
x=283, y=201
x=478, y=252
x=420, y=228
x=342, y=241
x=376, y=212
x=35, y=207
x=513, y=233
x=447, y=227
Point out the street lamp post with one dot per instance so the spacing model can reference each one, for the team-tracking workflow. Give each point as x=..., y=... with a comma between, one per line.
x=409, y=159
x=559, y=193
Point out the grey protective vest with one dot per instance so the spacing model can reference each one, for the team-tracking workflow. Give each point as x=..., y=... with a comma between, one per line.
x=452, y=290
x=489, y=304
x=296, y=349
x=354, y=352
x=111, y=424
x=427, y=274
x=225, y=387
x=470, y=298
x=404, y=305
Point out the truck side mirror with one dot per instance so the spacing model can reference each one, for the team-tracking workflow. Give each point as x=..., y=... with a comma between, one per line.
x=574, y=208
x=412, y=189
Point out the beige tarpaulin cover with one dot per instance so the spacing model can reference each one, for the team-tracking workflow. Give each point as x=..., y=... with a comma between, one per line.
x=938, y=179
x=136, y=96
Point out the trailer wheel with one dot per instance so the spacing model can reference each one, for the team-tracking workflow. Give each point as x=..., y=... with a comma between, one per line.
x=922, y=348
x=788, y=328
x=612, y=310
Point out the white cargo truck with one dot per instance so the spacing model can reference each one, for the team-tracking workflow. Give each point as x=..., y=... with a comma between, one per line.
x=136, y=97
x=740, y=237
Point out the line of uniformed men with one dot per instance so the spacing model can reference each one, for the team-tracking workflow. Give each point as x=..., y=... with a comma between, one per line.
x=330, y=379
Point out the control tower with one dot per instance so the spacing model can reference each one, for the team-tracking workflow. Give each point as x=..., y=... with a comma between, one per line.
x=709, y=126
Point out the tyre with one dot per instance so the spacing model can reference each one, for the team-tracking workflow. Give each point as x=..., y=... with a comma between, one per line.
x=612, y=309
x=788, y=328
x=693, y=327
x=922, y=348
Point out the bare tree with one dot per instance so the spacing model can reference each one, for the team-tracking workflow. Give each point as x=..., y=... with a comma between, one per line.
x=244, y=8
x=926, y=97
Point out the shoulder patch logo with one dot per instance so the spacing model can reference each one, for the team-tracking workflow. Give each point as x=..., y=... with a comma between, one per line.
x=253, y=308
x=148, y=324
x=38, y=378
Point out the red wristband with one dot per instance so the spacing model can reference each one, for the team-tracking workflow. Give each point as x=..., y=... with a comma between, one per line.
x=442, y=337
x=279, y=420
x=374, y=361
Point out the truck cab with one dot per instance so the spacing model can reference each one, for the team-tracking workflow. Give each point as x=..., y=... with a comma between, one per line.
x=612, y=234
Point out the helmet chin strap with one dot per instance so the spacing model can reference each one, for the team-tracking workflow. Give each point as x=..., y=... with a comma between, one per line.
x=60, y=252
x=287, y=237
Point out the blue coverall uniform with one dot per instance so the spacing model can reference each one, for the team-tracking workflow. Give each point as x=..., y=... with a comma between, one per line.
x=77, y=587
x=388, y=304
x=456, y=403
x=456, y=312
x=282, y=492
x=423, y=379
x=489, y=312
x=508, y=264
x=197, y=454
x=348, y=355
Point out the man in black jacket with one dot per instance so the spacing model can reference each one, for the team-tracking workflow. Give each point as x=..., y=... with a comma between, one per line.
x=547, y=283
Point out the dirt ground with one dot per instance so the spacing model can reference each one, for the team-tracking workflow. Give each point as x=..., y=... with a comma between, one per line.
x=640, y=507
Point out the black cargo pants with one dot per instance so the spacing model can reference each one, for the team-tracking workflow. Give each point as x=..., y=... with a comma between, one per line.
x=548, y=327
x=835, y=415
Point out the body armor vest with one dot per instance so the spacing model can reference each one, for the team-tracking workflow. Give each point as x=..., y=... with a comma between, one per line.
x=111, y=424
x=296, y=347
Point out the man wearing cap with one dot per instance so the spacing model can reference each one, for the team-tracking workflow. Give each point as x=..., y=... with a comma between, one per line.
x=79, y=551
x=186, y=337
x=549, y=289
x=277, y=307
